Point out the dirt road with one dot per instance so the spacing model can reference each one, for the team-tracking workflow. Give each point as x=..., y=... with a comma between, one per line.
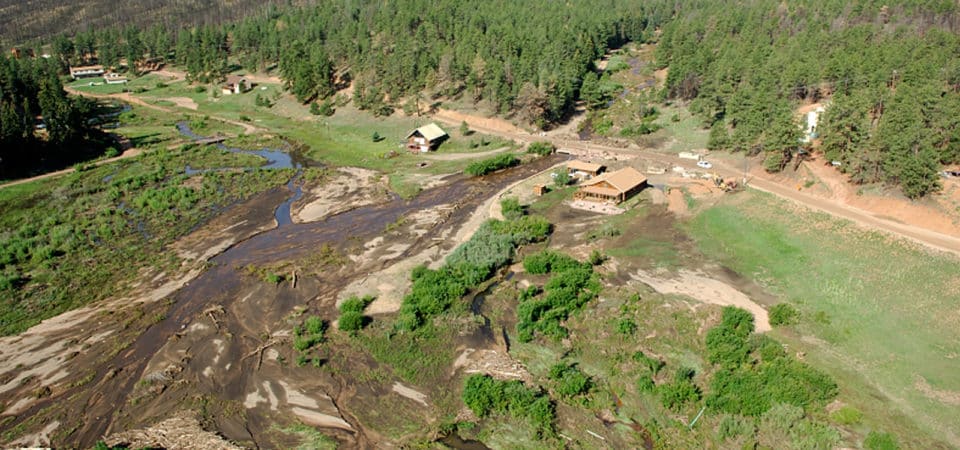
x=126, y=97
x=929, y=238
x=129, y=153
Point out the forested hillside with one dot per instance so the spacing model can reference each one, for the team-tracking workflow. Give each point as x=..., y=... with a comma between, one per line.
x=524, y=56
x=891, y=76
x=25, y=20
x=39, y=125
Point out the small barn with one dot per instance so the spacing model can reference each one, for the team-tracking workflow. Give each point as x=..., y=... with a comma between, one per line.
x=426, y=138
x=613, y=187
x=583, y=170
x=86, y=72
x=235, y=84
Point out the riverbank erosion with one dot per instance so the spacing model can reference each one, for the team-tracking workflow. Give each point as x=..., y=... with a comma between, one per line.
x=215, y=338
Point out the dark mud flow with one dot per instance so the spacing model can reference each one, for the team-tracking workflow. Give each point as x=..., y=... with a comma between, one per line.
x=109, y=393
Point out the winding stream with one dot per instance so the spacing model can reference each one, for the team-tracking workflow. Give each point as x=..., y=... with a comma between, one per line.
x=276, y=159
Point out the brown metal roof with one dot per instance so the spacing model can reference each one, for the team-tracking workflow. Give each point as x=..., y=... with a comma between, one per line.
x=82, y=68
x=584, y=166
x=622, y=180
x=601, y=191
x=234, y=79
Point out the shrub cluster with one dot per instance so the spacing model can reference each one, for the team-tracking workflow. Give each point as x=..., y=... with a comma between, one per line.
x=542, y=148
x=494, y=164
x=681, y=391
x=435, y=291
x=351, y=314
x=511, y=208
x=485, y=395
x=755, y=373
x=570, y=381
x=549, y=261
x=783, y=314
x=309, y=334
x=572, y=285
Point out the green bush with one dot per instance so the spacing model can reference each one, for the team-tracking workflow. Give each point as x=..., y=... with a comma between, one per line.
x=846, y=415
x=485, y=396
x=541, y=148
x=603, y=231
x=566, y=292
x=314, y=325
x=486, y=166
x=732, y=426
x=880, y=441
x=681, y=391
x=111, y=152
x=351, y=321
x=351, y=313
x=783, y=314
x=626, y=327
x=272, y=278
x=200, y=89
x=308, y=335
x=561, y=177
x=755, y=373
x=435, y=291
x=356, y=304
x=511, y=208
x=326, y=108
x=652, y=364
x=548, y=261
x=645, y=383
x=570, y=381
x=596, y=258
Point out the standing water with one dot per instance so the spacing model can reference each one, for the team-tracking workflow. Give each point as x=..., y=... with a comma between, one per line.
x=276, y=159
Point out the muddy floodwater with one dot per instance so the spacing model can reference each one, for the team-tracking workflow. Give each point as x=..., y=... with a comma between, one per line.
x=244, y=310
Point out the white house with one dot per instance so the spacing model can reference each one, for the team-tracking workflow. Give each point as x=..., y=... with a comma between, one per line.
x=813, y=117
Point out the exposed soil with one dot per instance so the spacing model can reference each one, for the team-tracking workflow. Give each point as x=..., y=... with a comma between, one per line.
x=462, y=156
x=703, y=288
x=486, y=124
x=220, y=343
x=352, y=187
x=182, y=431
x=943, y=396
x=677, y=204
x=183, y=102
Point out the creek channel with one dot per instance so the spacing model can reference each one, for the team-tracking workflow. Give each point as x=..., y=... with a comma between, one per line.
x=276, y=159
x=222, y=283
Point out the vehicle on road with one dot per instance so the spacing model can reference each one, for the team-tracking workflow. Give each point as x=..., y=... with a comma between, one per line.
x=704, y=164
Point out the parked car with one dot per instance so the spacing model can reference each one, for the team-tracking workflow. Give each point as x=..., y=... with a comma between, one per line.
x=704, y=164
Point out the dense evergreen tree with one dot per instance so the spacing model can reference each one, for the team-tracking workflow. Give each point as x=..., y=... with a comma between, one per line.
x=39, y=124
x=891, y=76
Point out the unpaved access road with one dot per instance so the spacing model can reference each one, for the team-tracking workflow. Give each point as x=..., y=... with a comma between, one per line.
x=128, y=98
x=129, y=153
x=931, y=239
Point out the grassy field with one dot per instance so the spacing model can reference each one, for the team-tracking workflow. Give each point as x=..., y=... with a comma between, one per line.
x=344, y=139
x=880, y=314
x=71, y=240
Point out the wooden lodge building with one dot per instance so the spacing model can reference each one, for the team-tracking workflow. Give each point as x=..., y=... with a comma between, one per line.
x=425, y=138
x=86, y=72
x=583, y=170
x=613, y=187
